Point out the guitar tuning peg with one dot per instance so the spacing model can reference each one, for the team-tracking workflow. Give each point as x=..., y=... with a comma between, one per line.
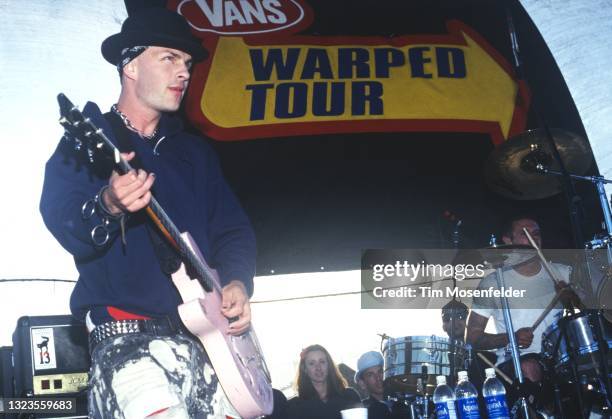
x=99, y=145
x=90, y=154
x=77, y=144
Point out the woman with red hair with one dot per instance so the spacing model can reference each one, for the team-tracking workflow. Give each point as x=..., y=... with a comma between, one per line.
x=322, y=391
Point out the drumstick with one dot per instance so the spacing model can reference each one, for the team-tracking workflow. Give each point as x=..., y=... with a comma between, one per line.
x=551, y=270
x=549, y=307
x=497, y=370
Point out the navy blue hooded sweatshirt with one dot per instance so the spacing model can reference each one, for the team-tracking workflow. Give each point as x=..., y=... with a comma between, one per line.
x=190, y=187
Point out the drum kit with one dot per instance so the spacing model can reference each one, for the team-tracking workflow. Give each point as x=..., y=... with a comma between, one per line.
x=577, y=347
x=411, y=366
x=574, y=345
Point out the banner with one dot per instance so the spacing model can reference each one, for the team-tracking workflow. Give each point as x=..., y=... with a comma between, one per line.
x=262, y=80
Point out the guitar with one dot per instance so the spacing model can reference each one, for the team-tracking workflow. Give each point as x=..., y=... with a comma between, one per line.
x=238, y=360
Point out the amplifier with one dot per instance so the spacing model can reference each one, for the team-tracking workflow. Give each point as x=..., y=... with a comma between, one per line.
x=7, y=385
x=51, y=356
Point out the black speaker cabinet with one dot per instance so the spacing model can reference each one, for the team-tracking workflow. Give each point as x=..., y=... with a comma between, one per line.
x=51, y=359
x=7, y=386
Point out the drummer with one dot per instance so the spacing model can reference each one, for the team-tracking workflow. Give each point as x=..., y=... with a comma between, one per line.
x=459, y=311
x=532, y=277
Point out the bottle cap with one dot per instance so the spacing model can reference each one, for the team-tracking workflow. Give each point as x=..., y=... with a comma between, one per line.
x=490, y=372
x=462, y=375
x=441, y=379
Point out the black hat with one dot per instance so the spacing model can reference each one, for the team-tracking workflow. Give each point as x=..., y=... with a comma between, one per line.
x=153, y=26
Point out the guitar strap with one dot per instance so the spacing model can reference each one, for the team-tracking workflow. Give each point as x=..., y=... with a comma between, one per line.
x=168, y=258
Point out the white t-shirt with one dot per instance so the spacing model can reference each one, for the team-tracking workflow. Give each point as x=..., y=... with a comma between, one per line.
x=539, y=292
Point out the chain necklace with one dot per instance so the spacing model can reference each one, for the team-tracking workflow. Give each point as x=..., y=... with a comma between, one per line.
x=129, y=125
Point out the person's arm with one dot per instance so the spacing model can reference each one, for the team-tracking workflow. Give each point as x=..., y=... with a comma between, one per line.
x=232, y=240
x=480, y=340
x=232, y=245
x=77, y=198
x=69, y=185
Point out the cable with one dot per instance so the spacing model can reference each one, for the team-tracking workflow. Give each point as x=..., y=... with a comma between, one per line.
x=38, y=279
x=307, y=297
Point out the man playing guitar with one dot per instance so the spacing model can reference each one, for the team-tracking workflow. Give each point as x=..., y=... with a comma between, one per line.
x=144, y=362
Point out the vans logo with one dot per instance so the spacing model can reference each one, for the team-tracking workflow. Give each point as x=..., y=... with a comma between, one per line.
x=244, y=17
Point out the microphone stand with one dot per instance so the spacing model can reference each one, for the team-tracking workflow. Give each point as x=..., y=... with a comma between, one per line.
x=452, y=347
x=573, y=200
x=603, y=372
x=522, y=401
x=599, y=182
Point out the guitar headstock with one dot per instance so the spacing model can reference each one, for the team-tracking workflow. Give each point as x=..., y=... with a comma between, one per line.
x=84, y=134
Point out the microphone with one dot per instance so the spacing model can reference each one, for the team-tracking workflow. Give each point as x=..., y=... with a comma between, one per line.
x=455, y=235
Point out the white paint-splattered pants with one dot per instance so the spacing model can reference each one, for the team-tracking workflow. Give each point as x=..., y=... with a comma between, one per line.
x=138, y=375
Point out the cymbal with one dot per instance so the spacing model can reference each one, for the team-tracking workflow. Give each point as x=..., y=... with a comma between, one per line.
x=510, y=170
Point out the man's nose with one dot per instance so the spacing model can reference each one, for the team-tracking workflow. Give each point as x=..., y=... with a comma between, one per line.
x=184, y=73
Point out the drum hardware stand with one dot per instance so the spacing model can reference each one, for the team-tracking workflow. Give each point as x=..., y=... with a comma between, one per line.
x=605, y=241
x=467, y=363
x=604, y=376
x=556, y=390
x=453, y=347
x=555, y=376
x=425, y=399
x=572, y=362
x=521, y=403
x=599, y=182
x=452, y=343
x=419, y=406
x=573, y=200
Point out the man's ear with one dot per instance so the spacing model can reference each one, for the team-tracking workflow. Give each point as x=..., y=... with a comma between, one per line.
x=130, y=70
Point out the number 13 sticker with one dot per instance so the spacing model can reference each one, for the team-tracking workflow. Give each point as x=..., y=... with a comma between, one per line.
x=43, y=348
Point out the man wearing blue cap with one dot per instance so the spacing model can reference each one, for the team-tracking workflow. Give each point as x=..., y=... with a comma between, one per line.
x=144, y=363
x=369, y=377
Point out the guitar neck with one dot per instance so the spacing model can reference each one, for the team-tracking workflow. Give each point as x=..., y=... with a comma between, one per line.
x=173, y=235
x=84, y=132
x=164, y=223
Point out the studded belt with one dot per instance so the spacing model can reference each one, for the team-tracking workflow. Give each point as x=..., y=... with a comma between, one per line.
x=158, y=327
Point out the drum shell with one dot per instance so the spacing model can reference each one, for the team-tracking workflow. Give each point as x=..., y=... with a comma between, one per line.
x=579, y=346
x=406, y=357
x=551, y=338
x=581, y=335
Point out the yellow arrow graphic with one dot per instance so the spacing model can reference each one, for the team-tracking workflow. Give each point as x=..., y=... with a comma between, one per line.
x=316, y=85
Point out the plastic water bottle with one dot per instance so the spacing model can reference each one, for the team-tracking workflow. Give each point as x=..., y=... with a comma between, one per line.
x=467, y=397
x=494, y=394
x=444, y=399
